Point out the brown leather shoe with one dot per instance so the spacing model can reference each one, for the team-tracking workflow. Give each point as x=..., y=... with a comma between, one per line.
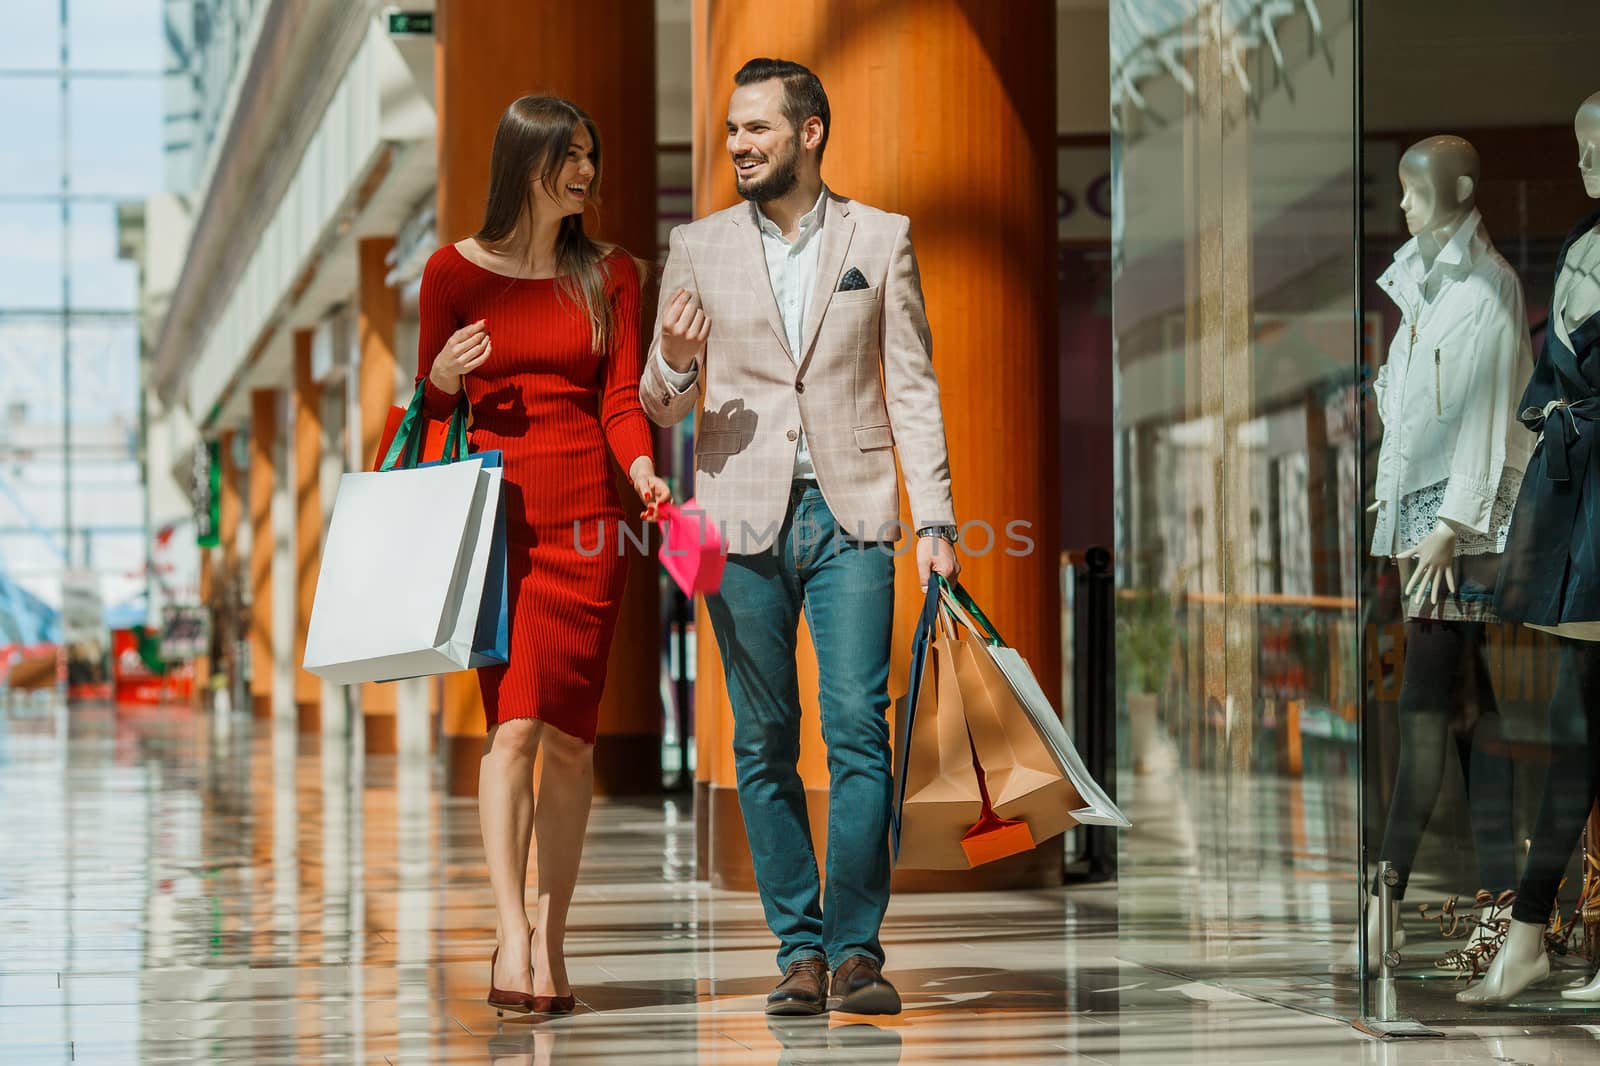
x=863, y=989
x=804, y=988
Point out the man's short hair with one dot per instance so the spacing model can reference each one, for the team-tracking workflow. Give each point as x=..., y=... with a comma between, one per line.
x=802, y=91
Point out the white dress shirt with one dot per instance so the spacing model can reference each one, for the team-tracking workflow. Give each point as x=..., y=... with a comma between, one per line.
x=792, y=269
x=1449, y=390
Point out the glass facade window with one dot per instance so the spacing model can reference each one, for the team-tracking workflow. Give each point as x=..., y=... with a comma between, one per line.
x=83, y=132
x=1237, y=460
x=1357, y=327
x=210, y=38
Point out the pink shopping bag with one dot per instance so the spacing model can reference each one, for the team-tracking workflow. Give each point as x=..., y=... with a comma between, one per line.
x=691, y=550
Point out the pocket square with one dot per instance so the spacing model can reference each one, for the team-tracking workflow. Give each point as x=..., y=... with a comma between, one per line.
x=853, y=279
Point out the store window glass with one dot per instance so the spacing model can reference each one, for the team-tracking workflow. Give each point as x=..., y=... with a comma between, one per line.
x=1480, y=535
x=1238, y=348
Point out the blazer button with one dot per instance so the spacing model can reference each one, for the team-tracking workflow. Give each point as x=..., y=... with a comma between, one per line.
x=793, y=435
x=799, y=386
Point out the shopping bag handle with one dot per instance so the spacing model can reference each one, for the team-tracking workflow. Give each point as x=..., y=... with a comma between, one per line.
x=961, y=603
x=406, y=448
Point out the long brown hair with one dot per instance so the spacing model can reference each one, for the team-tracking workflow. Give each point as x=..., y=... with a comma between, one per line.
x=532, y=139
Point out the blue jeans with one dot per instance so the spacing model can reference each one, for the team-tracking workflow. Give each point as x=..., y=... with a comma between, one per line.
x=847, y=592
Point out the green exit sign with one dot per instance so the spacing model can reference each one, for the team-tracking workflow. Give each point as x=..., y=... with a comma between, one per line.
x=416, y=22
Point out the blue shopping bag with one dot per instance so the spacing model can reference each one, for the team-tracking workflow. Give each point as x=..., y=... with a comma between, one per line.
x=921, y=638
x=491, y=643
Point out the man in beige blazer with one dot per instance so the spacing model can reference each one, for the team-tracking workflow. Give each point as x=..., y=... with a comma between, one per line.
x=797, y=320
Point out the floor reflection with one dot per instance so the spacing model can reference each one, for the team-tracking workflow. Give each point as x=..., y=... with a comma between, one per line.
x=180, y=888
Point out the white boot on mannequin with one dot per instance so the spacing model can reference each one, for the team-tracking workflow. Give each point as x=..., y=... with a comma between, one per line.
x=1522, y=962
x=1585, y=993
x=1350, y=961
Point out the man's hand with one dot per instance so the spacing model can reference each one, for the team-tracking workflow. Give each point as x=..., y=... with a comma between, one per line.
x=1434, y=558
x=684, y=329
x=936, y=555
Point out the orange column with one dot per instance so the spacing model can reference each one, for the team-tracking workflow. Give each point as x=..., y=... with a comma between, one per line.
x=263, y=441
x=942, y=110
x=307, y=524
x=232, y=515
x=378, y=308
x=488, y=53
x=224, y=599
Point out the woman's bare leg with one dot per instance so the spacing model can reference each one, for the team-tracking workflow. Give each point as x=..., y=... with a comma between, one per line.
x=560, y=818
x=505, y=814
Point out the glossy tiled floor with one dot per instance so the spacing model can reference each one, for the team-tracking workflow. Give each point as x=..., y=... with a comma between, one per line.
x=175, y=892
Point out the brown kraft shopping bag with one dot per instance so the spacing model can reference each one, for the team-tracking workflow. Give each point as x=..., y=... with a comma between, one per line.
x=1023, y=779
x=940, y=797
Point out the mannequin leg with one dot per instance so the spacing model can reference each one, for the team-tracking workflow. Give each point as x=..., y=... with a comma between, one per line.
x=1568, y=794
x=1569, y=787
x=1589, y=991
x=1490, y=776
x=1521, y=963
x=1427, y=697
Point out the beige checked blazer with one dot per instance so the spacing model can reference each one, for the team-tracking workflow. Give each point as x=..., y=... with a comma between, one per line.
x=862, y=386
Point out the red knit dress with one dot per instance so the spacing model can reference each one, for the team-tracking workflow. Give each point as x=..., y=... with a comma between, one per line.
x=553, y=405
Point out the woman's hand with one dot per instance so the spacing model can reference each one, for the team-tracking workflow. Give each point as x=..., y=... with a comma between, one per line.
x=463, y=353
x=1434, y=561
x=651, y=489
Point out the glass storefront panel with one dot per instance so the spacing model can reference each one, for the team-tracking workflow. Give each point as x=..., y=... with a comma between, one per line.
x=1237, y=468
x=1480, y=764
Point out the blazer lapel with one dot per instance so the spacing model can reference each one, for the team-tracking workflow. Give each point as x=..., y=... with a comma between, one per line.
x=753, y=255
x=837, y=229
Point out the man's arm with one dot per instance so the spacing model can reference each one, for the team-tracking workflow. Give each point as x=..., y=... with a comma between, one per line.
x=668, y=396
x=911, y=390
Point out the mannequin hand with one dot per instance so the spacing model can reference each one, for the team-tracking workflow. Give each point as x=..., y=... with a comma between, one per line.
x=651, y=489
x=1433, y=557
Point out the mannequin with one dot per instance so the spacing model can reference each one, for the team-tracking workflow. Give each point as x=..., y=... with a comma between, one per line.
x=1448, y=473
x=1548, y=582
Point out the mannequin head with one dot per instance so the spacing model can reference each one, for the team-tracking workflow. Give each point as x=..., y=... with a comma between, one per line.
x=1439, y=181
x=1587, y=126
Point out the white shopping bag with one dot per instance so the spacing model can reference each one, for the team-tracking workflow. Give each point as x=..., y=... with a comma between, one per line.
x=1098, y=807
x=403, y=573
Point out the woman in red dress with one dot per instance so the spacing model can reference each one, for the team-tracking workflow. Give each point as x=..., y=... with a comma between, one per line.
x=539, y=325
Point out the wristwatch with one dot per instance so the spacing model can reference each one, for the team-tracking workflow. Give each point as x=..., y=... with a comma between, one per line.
x=947, y=533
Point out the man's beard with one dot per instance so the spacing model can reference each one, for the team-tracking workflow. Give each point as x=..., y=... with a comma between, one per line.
x=784, y=176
